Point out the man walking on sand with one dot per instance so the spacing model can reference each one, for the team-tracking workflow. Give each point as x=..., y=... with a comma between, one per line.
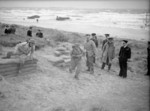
x=90, y=48
x=124, y=55
x=23, y=51
x=104, y=41
x=108, y=53
x=76, y=59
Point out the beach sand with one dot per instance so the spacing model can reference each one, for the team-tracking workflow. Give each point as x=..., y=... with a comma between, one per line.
x=129, y=33
x=54, y=89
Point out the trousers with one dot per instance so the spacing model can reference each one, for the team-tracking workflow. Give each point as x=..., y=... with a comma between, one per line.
x=90, y=63
x=123, y=68
x=75, y=65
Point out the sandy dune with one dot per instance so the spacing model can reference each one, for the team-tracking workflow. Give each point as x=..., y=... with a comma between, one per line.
x=50, y=88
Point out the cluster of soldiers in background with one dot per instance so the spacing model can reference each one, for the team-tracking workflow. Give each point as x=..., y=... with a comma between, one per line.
x=108, y=54
x=38, y=34
x=12, y=30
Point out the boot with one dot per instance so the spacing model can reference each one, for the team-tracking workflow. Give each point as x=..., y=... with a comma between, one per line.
x=109, y=66
x=88, y=69
x=76, y=77
x=103, y=65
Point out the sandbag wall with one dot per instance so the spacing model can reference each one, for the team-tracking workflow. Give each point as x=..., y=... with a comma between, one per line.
x=10, y=67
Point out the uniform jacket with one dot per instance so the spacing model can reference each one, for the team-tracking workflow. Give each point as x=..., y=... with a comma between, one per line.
x=95, y=40
x=108, y=51
x=90, y=48
x=76, y=53
x=23, y=48
x=104, y=41
x=29, y=33
x=125, y=53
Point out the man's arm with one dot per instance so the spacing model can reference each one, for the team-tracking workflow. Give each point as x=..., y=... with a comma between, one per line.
x=120, y=51
x=129, y=53
x=113, y=53
x=94, y=47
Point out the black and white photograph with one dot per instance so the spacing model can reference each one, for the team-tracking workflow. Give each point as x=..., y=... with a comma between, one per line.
x=74, y=55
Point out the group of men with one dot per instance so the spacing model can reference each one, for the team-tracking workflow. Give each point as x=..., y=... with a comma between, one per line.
x=107, y=55
x=27, y=48
x=38, y=34
x=10, y=29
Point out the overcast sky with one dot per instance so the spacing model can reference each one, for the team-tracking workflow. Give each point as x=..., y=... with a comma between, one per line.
x=115, y=4
x=74, y=0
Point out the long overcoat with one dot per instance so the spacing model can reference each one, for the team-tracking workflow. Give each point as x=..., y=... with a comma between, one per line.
x=108, y=53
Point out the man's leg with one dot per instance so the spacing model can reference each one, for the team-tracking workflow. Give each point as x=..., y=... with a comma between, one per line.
x=109, y=66
x=121, y=68
x=87, y=62
x=20, y=65
x=124, y=75
x=72, y=65
x=22, y=59
x=78, y=70
x=91, y=64
x=103, y=65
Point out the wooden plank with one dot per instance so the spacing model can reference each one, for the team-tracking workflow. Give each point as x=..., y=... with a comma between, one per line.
x=9, y=61
x=16, y=64
x=14, y=75
x=16, y=68
x=15, y=72
x=9, y=73
x=29, y=69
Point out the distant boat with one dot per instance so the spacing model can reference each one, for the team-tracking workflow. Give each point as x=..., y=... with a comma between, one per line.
x=62, y=18
x=33, y=17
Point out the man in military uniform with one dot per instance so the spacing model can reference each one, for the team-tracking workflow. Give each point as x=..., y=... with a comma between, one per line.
x=124, y=55
x=104, y=41
x=95, y=40
x=76, y=59
x=90, y=48
x=108, y=53
x=22, y=51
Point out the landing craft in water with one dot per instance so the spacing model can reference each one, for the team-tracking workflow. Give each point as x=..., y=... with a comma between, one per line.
x=33, y=17
x=62, y=18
